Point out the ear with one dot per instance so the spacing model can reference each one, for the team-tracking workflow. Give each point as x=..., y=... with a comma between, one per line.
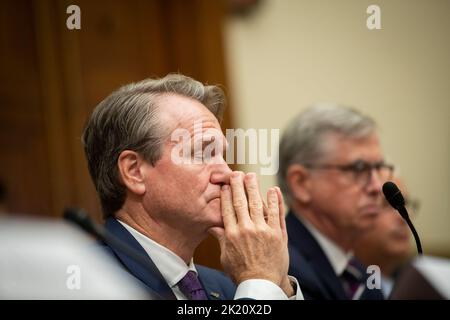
x=299, y=183
x=131, y=171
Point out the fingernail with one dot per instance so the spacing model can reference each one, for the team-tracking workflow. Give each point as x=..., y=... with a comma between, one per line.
x=235, y=174
x=225, y=187
x=251, y=175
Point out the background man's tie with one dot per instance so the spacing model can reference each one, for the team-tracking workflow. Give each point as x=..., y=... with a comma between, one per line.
x=352, y=278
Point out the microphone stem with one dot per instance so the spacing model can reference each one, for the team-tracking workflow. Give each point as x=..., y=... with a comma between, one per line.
x=82, y=220
x=411, y=226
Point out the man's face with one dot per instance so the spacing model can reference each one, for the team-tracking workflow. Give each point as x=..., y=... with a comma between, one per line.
x=184, y=191
x=391, y=233
x=336, y=196
x=390, y=236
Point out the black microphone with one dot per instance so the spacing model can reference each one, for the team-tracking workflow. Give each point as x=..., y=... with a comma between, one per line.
x=395, y=198
x=81, y=218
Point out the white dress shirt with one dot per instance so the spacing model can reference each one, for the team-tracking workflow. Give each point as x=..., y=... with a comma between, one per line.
x=387, y=284
x=173, y=269
x=337, y=257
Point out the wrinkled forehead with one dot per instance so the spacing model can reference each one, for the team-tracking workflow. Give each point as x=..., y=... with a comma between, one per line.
x=186, y=113
x=342, y=148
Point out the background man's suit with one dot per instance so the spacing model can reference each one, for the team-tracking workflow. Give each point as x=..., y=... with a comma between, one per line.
x=309, y=264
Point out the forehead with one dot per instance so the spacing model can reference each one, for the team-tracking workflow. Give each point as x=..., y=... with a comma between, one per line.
x=187, y=113
x=344, y=149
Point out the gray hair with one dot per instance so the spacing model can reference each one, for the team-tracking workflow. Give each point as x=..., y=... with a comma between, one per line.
x=304, y=140
x=128, y=119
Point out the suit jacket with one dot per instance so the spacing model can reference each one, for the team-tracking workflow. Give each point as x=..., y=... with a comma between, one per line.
x=216, y=284
x=309, y=264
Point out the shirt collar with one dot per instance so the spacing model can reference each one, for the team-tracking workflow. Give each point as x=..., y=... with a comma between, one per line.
x=338, y=258
x=387, y=284
x=171, y=266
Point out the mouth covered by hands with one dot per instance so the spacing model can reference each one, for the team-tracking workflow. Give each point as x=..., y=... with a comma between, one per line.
x=253, y=240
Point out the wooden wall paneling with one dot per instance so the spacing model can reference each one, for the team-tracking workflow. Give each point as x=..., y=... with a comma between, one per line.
x=77, y=111
x=55, y=120
x=23, y=156
x=209, y=26
x=180, y=37
x=152, y=32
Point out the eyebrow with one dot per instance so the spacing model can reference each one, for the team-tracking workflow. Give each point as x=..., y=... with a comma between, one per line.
x=369, y=162
x=212, y=139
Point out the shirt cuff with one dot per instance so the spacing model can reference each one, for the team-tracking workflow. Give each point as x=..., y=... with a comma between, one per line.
x=261, y=289
x=298, y=292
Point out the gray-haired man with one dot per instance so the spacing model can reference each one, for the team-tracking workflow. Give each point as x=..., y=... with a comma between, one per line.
x=164, y=202
x=331, y=172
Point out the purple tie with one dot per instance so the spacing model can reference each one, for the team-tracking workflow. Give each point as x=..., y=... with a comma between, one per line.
x=191, y=287
x=352, y=278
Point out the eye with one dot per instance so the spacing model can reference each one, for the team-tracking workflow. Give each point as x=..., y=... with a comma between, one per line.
x=360, y=166
x=380, y=165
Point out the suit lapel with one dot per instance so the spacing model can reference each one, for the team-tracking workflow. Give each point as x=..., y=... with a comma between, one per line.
x=152, y=278
x=210, y=285
x=302, y=240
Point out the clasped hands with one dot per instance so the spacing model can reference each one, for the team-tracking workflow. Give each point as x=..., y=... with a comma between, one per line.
x=253, y=241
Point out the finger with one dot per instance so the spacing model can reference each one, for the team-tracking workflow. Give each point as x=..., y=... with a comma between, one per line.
x=218, y=233
x=273, y=216
x=255, y=203
x=281, y=206
x=240, y=204
x=265, y=207
x=226, y=207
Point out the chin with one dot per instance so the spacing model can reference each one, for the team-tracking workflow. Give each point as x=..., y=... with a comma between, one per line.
x=215, y=217
x=401, y=252
x=367, y=223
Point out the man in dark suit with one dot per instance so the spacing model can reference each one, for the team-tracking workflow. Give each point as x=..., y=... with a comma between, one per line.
x=388, y=243
x=216, y=285
x=155, y=153
x=331, y=172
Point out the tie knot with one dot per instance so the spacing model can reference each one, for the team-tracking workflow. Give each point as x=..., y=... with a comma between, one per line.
x=191, y=287
x=352, y=277
x=354, y=269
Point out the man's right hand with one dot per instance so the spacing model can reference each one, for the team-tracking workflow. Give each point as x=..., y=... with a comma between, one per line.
x=253, y=241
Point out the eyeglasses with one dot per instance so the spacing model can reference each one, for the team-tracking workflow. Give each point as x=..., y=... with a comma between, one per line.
x=360, y=170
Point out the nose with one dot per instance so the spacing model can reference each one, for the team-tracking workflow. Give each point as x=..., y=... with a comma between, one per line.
x=221, y=174
x=375, y=184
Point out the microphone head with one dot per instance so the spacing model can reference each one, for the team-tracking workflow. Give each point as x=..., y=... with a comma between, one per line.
x=79, y=217
x=393, y=195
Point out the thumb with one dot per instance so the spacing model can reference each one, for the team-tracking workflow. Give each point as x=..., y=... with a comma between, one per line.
x=218, y=233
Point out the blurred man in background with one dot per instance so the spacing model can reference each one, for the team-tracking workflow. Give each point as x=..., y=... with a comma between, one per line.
x=164, y=204
x=331, y=172
x=387, y=243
